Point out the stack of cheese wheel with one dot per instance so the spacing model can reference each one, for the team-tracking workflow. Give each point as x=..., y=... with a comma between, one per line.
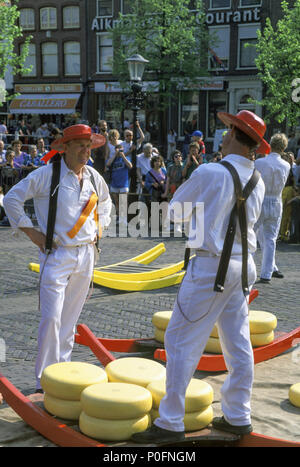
x=135, y=370
x=63, y=384
x=262, y=325
x=115, y=411
x=294, y=394
x=198, y=400
x=160, y=321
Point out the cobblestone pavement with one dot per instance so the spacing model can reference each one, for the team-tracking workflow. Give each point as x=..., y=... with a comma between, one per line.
x=111, y=313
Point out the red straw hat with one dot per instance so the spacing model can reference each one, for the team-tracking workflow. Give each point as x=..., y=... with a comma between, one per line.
x=78, y=132
x=250, y=124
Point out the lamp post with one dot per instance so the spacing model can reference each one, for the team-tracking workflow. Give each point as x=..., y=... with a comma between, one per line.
x=136, y=66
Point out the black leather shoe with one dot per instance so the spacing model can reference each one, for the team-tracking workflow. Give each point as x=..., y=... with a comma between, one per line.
x=157, y=435
x=278, y=274
x=221, y=424
x=263, y=281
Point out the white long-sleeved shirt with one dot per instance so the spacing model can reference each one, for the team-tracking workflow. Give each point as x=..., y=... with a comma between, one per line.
x=70, y=203
x=274, y=171
x=207, y=199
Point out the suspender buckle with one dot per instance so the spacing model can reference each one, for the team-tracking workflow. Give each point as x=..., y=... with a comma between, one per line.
x=219, y=288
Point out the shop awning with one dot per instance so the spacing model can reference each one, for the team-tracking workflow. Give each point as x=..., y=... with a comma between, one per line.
x=44, y=104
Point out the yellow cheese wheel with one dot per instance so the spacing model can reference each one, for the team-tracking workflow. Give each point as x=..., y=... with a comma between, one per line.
x=214, y=332
x=261, y=322
x=161, y=319
x=199, y=394
x=194, y=420
x=159, y=335
x=294, y=394
x=112, y=430
x=258, y=340
x=70, y=410
x=135, y=370
x=67, y=380
x=116, y=401
x=213, y=345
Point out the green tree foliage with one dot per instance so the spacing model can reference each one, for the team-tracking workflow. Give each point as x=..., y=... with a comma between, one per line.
x=167, y=33
x=278, y=63
x=9, y=32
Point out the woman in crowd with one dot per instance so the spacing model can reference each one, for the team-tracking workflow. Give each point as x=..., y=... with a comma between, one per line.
x=174, y=174
x=119, y=165
x=156, y=184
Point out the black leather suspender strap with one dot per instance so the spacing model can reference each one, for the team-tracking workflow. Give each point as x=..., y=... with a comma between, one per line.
x=187, y=254
x=52, y=204
x=95, y=188
x=238, y=212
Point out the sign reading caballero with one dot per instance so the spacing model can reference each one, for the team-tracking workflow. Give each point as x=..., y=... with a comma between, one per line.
x=215, y=17
x=56, y=103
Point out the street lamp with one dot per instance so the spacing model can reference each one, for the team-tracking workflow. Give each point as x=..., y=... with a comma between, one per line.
x=136, y=67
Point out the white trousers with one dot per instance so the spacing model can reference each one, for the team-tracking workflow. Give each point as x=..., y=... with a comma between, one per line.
x=64, y=285
x=197, y=308
x=267, y=230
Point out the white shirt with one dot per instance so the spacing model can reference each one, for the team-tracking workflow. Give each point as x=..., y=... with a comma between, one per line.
x=70, y=203
x=274, y=171
x=211, y=185
x=112, y=148
x=143, y=163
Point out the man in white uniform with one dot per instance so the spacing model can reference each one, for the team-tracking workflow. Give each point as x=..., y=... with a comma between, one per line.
x=199, y=305
x=274, y=171
x=66, y=271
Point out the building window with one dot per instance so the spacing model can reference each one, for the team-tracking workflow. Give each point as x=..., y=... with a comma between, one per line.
x=248, y=3
x=105, y=53
x=30, y=60
x=72, y=58
x=127, y=7
x=27, y=21
x=50, y=59
x=109, y=108
x=219, y=52
x=189, y=110
x=71, y=17
x=48, y=18
x=217, y=102
x=247, y=55
x=219, y=4
x=105, y=8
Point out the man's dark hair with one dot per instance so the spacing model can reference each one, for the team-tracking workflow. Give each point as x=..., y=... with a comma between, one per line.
x=244, y=139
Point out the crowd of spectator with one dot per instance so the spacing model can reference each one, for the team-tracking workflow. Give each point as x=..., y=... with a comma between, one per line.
x=158, y=174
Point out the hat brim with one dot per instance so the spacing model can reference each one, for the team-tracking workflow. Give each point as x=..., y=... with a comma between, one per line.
x=96, y=140
x=228, y=119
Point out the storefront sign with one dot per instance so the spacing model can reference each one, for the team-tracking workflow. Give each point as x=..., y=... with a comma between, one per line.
x=43, y=88
x=215, y=17
x=114, y=86
x=43, y=104
x=214, y=85
x=227, y=17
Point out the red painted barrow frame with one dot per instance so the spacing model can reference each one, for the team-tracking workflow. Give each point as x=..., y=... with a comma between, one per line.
x=62, y=435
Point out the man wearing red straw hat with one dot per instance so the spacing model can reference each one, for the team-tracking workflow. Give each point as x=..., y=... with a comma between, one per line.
x=68, y=229
x=218, y=280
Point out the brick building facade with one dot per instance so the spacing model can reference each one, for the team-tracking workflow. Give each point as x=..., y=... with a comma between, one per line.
x=71, y=52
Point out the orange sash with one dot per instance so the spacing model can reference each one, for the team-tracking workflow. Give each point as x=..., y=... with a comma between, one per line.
x=84, y=215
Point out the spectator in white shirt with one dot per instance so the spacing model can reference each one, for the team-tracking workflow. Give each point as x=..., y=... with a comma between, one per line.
x=274, y=171
x=2, y=153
